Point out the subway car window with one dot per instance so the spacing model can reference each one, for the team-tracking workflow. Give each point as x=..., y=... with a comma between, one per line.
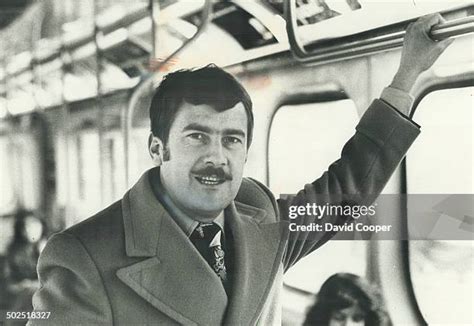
x=113, y=155
x=319, y=131
x=26, y=168
x=7, y=198
x=85, y=173
x=442, y=270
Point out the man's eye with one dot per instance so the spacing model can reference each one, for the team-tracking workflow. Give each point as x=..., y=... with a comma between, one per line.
x=196, y=136
x=232, y=140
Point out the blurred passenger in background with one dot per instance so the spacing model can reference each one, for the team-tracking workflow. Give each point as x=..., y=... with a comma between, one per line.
x=21, y=260
x=4, y=299
x=347, y=299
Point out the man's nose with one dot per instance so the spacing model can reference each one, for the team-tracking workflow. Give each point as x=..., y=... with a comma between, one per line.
x=216, y=154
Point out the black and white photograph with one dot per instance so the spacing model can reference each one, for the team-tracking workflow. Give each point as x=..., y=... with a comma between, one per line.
x=244, y=162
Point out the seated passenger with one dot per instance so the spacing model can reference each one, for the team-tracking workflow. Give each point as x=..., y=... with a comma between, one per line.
x=22, y=258
x=347, y=299
x=23, y=250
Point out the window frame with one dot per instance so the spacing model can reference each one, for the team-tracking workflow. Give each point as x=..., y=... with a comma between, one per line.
x=428, y=86
x=332, y=94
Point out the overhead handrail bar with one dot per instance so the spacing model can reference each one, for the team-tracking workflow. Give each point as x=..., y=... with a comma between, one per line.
x=439, y=32
x=452, y=28
x=126, y=21
x=88, y=38
x=148, y=81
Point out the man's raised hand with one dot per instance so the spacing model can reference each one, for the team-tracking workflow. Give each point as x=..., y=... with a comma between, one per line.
x=419, y=52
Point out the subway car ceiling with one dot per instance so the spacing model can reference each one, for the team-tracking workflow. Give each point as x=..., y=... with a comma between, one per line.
x=55, y=87
x=239, y=31
x=125, y=45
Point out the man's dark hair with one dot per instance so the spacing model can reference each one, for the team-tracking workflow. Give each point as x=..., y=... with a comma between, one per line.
x=208, y=85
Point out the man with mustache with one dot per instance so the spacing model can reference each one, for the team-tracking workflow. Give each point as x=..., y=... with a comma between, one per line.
x=195, y=243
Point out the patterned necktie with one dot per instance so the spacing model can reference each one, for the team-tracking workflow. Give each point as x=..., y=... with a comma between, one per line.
x=207, y=239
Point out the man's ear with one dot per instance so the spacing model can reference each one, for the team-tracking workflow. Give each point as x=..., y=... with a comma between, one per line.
x=155, y=148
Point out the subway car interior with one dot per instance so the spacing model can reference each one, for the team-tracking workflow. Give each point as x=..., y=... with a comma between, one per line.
x=76, y=79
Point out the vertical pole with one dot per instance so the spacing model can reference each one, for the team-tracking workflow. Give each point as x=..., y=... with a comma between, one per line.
x=64, y=133
x=5, y=81
x=153, y=10
x=12, y=162
x=99, y=103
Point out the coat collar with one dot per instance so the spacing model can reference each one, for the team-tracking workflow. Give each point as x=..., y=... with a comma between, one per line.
x=142, y=216
x=176, y=280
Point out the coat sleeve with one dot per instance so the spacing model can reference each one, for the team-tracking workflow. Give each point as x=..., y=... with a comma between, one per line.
x=71, y=288
x=367, y=161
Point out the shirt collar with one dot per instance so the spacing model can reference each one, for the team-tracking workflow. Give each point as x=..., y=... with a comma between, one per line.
x=186, y=223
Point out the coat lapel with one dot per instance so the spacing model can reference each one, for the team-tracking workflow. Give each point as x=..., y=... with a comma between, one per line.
x=258, y=251
x=174, y=278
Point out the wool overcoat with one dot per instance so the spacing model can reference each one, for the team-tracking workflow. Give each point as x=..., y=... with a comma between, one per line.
x=131, y=264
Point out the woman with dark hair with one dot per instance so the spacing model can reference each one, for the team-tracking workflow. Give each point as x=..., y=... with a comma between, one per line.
x=347, y=299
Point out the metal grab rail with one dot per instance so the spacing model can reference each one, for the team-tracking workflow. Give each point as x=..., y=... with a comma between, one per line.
x=439, y=32
x=454, y=27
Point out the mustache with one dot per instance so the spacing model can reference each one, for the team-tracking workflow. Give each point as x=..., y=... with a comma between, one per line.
x=210, y=170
